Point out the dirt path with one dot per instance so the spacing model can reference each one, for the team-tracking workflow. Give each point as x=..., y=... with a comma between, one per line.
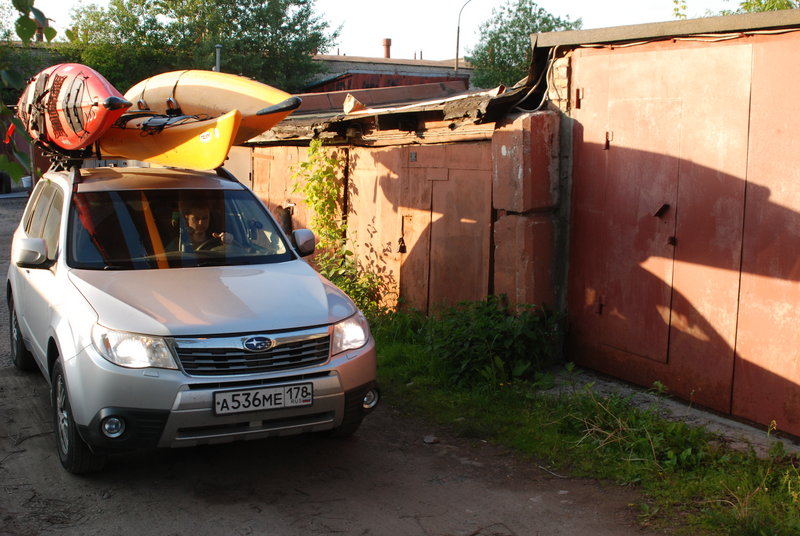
x=387, y=480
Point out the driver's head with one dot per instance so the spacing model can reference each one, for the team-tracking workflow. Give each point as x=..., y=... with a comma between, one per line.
x=197, y=218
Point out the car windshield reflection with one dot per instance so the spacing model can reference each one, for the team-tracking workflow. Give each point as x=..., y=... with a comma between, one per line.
x=158, y=229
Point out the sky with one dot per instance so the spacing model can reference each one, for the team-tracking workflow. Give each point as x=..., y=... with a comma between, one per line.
x=429, y=27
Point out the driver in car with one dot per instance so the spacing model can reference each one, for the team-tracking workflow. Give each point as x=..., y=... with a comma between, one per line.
x=197, y=217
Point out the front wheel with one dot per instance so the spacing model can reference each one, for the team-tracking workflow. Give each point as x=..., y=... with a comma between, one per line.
x=75, y=455
x=21, y=356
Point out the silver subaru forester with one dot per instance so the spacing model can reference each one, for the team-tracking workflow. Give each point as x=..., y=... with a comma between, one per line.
x=167, y=308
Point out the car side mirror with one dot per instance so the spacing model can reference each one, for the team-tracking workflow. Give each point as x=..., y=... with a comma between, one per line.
x=304, y=242
x=30, y=252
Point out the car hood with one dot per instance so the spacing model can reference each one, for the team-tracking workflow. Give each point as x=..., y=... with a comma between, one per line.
x=213, y=300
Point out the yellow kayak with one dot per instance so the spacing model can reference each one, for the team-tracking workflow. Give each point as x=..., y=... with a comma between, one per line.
x=209, y=93
x=180, y=141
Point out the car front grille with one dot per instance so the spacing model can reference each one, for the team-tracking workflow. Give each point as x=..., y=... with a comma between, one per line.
x=226, y=355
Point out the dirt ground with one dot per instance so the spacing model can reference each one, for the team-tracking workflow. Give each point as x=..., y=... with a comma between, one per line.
x=397, y=476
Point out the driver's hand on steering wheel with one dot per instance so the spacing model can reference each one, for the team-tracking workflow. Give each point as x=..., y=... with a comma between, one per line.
x=225, y=238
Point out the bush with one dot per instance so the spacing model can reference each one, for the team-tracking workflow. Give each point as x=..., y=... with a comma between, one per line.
x=487, y=341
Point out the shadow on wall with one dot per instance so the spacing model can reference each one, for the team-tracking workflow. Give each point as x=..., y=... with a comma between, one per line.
x=688, y=276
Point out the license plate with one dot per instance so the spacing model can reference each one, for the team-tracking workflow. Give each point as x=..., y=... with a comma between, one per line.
x=284, y=396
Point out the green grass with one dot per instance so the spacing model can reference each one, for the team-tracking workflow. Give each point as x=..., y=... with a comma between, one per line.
x=689, y=483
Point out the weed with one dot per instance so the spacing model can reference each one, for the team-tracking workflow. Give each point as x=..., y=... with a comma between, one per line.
x=493, y=343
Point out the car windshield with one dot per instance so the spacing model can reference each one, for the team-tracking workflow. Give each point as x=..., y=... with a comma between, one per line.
x=171, y=228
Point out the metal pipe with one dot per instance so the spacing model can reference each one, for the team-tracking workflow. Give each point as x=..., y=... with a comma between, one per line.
x=219, y=53
x=458, y=33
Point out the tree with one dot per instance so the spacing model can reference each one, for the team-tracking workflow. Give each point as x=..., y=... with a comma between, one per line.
x=503, y=54
x=756, y=6
x=13, y=161
x=271, y=41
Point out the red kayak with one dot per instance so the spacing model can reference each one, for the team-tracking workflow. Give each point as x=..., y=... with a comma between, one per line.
x=69, y=106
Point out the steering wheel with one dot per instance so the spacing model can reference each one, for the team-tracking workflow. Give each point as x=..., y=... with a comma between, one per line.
x=208, y=244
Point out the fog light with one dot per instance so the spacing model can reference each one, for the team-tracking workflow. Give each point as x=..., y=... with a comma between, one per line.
x=113, y=427
x=370, y=399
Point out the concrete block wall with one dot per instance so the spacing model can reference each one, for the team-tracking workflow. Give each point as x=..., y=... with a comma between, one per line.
x=524, y=257
x=525, y=180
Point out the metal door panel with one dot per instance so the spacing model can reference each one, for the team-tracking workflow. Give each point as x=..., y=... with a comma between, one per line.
x=767, y=373
x=638, y=245
x=415, y=212
x=460, y=237
x=590, y=101
x=693, y=154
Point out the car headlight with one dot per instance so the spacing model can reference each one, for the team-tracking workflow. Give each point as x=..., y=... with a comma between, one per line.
x=132, y=350
x=350, y=334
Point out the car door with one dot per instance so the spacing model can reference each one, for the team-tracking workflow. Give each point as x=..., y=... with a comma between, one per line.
x=37, y=288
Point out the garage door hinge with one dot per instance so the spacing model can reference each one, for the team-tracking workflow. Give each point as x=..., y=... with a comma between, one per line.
x=609, y=139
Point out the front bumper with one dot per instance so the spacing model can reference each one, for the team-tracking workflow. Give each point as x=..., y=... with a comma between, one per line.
x=168, y=408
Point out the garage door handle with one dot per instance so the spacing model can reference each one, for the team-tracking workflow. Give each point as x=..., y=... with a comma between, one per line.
x=661, y=211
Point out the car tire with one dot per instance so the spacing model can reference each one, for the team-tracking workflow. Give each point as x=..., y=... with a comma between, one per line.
x=5, y=183
x=20, y=355
x=76, y=456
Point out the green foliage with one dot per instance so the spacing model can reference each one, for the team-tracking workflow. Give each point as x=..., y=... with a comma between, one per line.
x=488, y=340
x=503, y=54
x=679, y=9
x=131, y=40
x=691, y=483
x=318, y=178
x=482, y=344
x=757, y=6
x=13, y=69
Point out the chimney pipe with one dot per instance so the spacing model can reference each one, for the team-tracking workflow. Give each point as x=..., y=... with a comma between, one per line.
x=387, y=47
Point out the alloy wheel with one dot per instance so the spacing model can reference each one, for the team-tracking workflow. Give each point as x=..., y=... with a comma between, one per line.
x=62, y=415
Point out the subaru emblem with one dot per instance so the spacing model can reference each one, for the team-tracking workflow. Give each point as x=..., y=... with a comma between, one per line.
x=258, y=344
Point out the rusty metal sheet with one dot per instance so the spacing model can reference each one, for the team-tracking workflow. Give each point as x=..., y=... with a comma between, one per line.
x=373, y=220
x=641, y=189
x=240, y=163
x=427, y=156
x=590, y=80
x=393, y=192
x=458, y=158
x=710, y=208
x=461, y=231
x=673, y=155
x=415, y=211
x=273, y=168
x=767, y=373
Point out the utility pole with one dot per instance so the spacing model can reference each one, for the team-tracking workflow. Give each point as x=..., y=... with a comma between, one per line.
x=458, y=33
